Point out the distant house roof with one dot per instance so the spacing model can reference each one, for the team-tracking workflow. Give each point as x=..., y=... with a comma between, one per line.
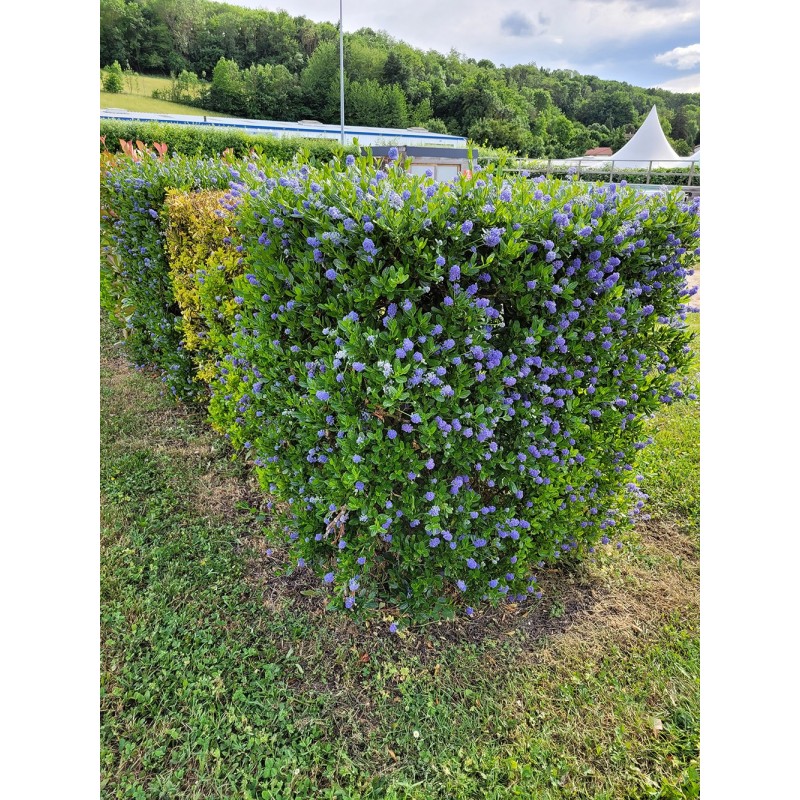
x=599, y=151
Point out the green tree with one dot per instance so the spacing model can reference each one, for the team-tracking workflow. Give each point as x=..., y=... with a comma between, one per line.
x=539, y=106
x=541, y=99
x=601, y=134
x=365, y=103
x=112, y=79
x=270, y=92
x=610, y=108
x=510, y=134
x=583, y=138
x=681, y=147
x=568, y=89
x=185, y=88
x=227, y=93
x=560, y=135
x=362, y=60
x=396, y=107
x=435, y=126
x=395, y=71
x=121, y=29
x=422, y=112
x=131, y=80
x=181, y=18
x=319, y=84
x=477, y=99
x=158, y=53
x=276, y=38
x=686, y=123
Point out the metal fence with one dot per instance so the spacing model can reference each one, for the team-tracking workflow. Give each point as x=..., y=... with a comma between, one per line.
x=684, y=173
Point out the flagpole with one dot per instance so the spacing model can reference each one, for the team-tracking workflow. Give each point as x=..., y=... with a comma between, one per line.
x=341, y=72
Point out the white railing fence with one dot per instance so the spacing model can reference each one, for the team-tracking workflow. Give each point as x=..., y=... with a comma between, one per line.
x=680, y=172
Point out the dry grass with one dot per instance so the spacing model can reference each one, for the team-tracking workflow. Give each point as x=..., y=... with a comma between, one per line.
x=618, y=599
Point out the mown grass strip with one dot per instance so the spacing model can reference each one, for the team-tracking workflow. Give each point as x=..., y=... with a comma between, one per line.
x=137, y=95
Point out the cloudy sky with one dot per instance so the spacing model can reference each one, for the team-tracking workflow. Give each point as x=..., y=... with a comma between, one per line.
x=644, y=42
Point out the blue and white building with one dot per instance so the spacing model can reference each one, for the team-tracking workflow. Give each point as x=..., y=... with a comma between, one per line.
x=366, y=136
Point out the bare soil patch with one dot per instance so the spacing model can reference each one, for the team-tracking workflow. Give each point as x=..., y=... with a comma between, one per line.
x=617, y=599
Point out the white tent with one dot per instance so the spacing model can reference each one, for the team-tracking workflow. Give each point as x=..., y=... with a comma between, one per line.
x=647, y=148
x=648, y=144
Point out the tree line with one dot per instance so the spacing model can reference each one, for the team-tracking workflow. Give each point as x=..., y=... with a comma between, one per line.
x=269, y=65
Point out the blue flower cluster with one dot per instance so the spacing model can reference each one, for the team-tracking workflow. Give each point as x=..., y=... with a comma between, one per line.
x=445, y=383
x=465, y=400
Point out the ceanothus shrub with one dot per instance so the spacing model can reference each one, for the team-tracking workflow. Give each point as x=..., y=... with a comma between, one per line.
x=446, y=382
x=134, y=191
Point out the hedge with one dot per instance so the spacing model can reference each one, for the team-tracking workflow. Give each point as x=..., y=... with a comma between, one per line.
x=674, y=176
x=112, y=284
x=198, y=140
x=446, y=383
x=134, y=222
x=201, y=251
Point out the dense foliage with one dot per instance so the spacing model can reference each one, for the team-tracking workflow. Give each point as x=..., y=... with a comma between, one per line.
x=221, y=679
x=134, y=192
x=618, y=171
x=112, y=285
x=418, y=366
x=205, y=140
x=265, y=64
x=201, y=245
x=445, y=383
x=112, y=78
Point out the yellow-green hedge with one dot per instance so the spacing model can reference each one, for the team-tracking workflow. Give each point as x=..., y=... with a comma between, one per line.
x=201, y=249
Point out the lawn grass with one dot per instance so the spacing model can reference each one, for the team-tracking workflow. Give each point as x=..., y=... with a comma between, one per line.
x=672, y=466
x=138, y=96
x=224, y=677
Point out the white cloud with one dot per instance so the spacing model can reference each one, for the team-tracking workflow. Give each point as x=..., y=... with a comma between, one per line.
x=560, y=34
x=681, y=57
x=467, y=26
x=688, y=83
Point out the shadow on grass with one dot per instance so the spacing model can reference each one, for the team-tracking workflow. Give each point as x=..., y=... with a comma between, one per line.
x=616, y=596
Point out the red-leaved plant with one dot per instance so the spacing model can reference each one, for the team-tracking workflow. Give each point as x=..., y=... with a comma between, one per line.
x=136, y=153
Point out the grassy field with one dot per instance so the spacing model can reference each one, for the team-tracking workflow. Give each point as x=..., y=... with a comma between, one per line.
x=138, y=96
x=223, y=677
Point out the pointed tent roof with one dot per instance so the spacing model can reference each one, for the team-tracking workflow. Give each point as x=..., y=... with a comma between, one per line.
x=648, y=144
